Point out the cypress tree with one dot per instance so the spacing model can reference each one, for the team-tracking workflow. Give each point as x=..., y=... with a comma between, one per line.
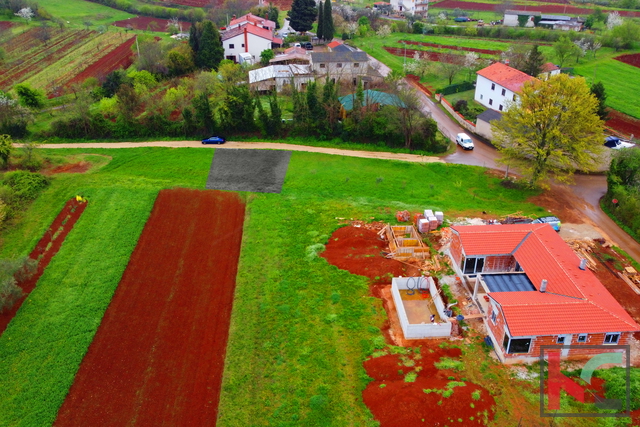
x=597, y=89
x=534, y=61
x=194, y=37
x=302, y=15
x=327, y=22
x=320, y=33
x=210, y=50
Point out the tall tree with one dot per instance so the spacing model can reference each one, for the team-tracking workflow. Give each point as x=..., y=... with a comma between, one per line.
x=563, y=48
x=6, y=148
x=210, y=51
x=320, y=32
x=534, y=62
x=30, y=97
x=597, y=89
x=327, y=24
x=302, y=15
x=554, y=128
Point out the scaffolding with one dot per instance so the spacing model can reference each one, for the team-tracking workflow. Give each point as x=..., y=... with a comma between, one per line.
x=404, y=242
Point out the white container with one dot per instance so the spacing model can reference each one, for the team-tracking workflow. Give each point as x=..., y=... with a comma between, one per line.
x=433, y=222
x=428, y=213
x=423, y=225
x=440, y=217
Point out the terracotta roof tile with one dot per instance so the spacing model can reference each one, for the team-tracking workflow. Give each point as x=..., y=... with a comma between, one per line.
x=506, y=76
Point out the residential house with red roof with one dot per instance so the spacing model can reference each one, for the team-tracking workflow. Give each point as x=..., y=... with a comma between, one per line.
x=534, y=290
x=498, y=84
x=548, y=69
x=248, y=40
x=252, y=19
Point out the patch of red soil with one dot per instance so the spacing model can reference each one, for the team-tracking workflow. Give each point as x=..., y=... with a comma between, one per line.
x=44, y=251
x=623, y=124
x=359, y=251
x=548, y=8
x=158, y=355
x=561, y=202
x=149, y=23
x=80, y=167
x=452, y=47
x=395, y=402
x=5, y=25
x=630, y=58
x=120, y=57
x=409, y=53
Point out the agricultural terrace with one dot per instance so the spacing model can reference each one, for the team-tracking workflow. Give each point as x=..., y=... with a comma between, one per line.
x=619, y=79
x=53, y=64
x=300, y=327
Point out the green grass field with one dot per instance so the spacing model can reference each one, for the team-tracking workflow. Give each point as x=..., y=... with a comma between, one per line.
x=300, y=327
x=79, y=11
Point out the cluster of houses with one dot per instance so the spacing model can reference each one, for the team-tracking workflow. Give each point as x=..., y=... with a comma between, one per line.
x=537, y=19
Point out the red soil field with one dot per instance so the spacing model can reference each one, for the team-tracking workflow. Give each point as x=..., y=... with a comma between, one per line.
x=5, y=25
x=359, y=251
x=80, y=167
x=405, y=404
x=54, y=236
x=550, y=8
x=158, y=355
x=144, y=23
x=631, y=59
x=444, y=46
x=399, y=51
x=623, y=124
x=120, y=57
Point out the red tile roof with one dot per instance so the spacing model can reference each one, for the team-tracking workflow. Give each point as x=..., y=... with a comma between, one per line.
x=334, y=44
x=548, y=67
x=505, y=76
x=251, y=29
x=256, y=20
x=574, y=302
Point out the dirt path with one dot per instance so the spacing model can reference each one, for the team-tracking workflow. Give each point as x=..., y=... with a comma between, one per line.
x=255, y=145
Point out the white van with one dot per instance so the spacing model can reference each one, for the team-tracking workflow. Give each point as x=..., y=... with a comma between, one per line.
x=463, y=140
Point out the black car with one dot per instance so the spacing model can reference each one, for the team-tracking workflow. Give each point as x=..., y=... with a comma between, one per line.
x=307, y=45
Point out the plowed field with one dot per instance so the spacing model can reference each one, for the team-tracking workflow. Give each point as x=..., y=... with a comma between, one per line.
x=409, y=53
x=452, y=47
x=623, y=123
x=631, y=59
x=158, y=355
x=547, y=8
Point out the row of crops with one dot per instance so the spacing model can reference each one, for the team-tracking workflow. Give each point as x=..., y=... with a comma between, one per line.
x=53, y=63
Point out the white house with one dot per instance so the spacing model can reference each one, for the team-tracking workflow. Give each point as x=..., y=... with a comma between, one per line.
x=548, y=70
x=498, y=84
x=511, y=18
x=483, y=123
x=405, y=5
x=248, y=38
x=277, y=76
x=252, y=19
x=340, y=65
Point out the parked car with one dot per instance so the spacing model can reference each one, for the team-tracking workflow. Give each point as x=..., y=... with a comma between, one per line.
x=462, y=19
x=214, y=140
x=307, y=45
x=463, y=140
x=617, y=143
x=551, y=220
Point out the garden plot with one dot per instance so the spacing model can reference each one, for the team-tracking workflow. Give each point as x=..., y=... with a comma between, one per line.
x=259, y=171
x=158, y=355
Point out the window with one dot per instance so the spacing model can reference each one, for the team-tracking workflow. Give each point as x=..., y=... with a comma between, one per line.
x=582, y=338
x=339, y=65
x=491, y=102
x=356, y=65
x=611, y=338
x=518, y=345
x=560, y=340
x=494, y=316
x=231, y=46
x=322, y=65
x=481, y=96
x=500, y=107
x=514, y=98
x=242, y=44
x=504, y=92
x=473, y=265
x=493, y=86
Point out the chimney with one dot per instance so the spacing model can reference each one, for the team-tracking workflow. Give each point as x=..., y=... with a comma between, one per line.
x=583, y=264
x=543, y=286
x=233, y=16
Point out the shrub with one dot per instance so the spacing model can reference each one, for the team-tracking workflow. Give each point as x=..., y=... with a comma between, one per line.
x=26, y=186
x=449, y=364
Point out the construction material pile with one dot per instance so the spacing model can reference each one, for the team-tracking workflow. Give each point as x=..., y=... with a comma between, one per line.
x=584, y=248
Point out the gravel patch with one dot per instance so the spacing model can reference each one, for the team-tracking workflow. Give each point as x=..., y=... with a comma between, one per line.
x=259, y=171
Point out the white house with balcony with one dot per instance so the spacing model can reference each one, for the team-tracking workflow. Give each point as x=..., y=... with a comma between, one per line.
x=248, y=39
x=498, y=84
x=403, y=6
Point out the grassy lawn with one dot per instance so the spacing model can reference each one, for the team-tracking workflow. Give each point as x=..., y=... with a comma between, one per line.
x=300, y=327
x=79, y=11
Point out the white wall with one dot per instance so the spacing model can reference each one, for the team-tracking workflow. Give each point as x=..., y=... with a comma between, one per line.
x=404, y=5
x=492, y=98
x=348, y=69
x=512, y=21
x=413, y=331
x=484, y=129
x=256, y=46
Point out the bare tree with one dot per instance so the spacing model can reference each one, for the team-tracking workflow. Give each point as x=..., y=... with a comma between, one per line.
x=409, y=114
x=450, y=65
x=44, y=32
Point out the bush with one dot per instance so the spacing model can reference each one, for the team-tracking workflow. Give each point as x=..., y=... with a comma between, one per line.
x=456, y=88
x=26, y=186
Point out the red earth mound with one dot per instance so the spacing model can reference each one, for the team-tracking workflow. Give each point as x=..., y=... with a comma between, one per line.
x=359, y=251
x=148, y=23
x=44, y=251
x=446, y=46
x=80, y=167
x=158, y=355
x=630, y=58
x=395, y=402
x=408, y=53
x=623, y=124
x=548, y=8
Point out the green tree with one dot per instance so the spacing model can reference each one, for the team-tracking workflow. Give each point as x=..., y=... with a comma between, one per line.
x=180, y=60
x=332, y=107
x=6, y=149
x=625, y=169
x=266, y=56
x=533, y=63
x=194, y=37
x=316, y=111
x=203, y=113
x=210, y=51
x=31, y=158
x=12, y=271
x=113, y=81
x=302, y=15
x=320, y=33
x=328, y=29
x=238, y=109
x=554, y=128
x=597, y=89
x=564, y=48
x=29, y=97
x=626, y=33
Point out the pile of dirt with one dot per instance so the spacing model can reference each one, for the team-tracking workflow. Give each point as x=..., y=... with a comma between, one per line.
x=623, y=123
x=80, y=167
x=395, y=401
x=359, y=250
